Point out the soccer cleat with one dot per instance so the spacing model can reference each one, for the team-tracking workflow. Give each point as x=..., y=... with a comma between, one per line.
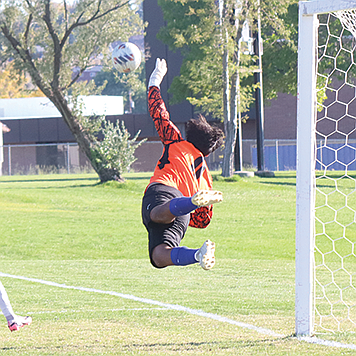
x=205, y=255
x=206, y=197
x=20, y=322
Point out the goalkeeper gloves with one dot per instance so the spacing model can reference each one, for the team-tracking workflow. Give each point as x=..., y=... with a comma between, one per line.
x=158, y=73
x=201, y=217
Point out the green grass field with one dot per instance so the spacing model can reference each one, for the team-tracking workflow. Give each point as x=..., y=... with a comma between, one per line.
x=68, y=229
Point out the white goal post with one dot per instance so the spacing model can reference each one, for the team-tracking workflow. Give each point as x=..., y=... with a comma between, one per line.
x=306, y=158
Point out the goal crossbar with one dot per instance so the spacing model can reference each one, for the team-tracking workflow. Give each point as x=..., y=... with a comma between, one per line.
x=325, y=6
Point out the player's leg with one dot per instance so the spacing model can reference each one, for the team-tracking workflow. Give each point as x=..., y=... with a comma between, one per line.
x=164, y=241
x=5, y=305
x=164, y=255
x=15, y=322
x=165, y=213
x=166, y=231
x=165, y=249
x=162, y=214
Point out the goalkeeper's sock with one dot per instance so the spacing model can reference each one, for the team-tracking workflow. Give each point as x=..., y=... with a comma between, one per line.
x=181, y=206
x=183, y=256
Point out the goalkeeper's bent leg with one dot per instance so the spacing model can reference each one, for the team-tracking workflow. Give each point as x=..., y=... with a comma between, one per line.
x=181, y=206
x=185, y=205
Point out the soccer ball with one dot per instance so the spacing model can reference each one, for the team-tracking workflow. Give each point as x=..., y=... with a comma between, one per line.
x=126, y=57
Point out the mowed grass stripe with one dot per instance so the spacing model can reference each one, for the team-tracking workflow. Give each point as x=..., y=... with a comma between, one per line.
x=175, y=307
x=98, y=241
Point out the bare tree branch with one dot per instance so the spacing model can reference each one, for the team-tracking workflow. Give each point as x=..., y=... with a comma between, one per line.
x=76, y=24
x=95, y=16
x=65, y=13
x=56, y=46
x=42, y=11
x=81, y=71
x=26, y=58
x=29, y=21
x=77, y=76
x=108, y=11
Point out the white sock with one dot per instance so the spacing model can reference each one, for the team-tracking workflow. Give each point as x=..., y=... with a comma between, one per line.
x=5, y=304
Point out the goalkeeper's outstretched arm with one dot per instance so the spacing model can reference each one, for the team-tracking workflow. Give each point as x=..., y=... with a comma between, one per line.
x=167, y=131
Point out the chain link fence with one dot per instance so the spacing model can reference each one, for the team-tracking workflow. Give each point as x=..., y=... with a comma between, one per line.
x=280, y=155
x=42, y=159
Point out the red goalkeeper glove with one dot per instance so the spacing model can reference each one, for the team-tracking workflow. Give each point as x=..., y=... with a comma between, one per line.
x=201, y=217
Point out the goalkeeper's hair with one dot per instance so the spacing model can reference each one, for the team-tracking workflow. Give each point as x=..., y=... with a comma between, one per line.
x=205, y=137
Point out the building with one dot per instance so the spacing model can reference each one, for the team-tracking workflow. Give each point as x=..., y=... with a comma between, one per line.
x=38, y=136
x=3, y=129
x=45, y=128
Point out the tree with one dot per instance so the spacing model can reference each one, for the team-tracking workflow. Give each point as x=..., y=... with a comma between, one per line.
x=130, y=86
x=47, y=39
x=216, y=76
x=280, y=54
x=15, y=84
x=116, y=150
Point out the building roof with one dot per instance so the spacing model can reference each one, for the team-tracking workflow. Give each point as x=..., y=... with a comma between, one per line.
x=41, y=107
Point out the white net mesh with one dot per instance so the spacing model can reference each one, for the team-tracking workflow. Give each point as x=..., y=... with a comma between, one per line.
x=347, y=19
x=335, y=207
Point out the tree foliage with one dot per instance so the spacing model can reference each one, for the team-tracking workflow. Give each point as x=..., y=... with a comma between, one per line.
x=48, y=39
x=216, y=75
x=280, y=45
x=115, y=153
x=15, y=84
x=132, y=84
x=193, y=28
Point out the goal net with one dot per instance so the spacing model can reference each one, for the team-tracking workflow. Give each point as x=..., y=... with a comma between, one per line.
x=326, y=168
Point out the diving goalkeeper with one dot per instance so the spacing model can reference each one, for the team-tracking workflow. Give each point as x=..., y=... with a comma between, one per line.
x=180, y=191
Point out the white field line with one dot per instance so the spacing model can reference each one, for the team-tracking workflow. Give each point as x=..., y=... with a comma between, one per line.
x=311, y=340
x=315, y=340
x=64, y=311
x=151, y=302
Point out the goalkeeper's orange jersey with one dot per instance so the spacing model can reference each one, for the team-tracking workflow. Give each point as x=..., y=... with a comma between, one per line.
x=181, y=166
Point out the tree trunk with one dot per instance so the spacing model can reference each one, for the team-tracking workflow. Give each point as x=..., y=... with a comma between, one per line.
x=226, y=91
x=83, y=139
x=231, y=129
x=230, y=120
x=107, y=174
x=51, y=87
